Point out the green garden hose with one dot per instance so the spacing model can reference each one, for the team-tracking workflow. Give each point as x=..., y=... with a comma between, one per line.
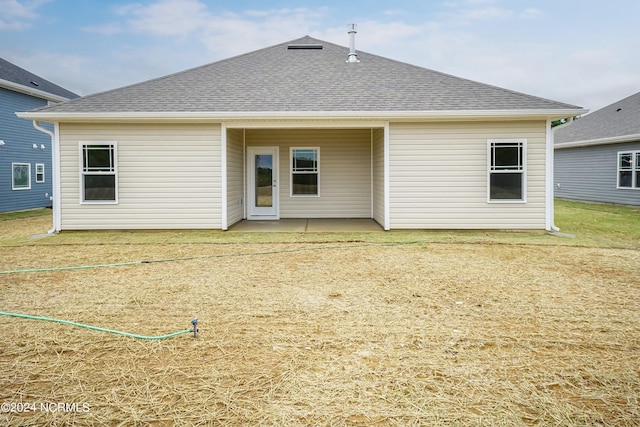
x=96, y=328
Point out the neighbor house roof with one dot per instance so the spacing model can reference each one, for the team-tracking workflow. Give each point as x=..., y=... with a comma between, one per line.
x=304, y=77
x=618, y=122
x=20, y=80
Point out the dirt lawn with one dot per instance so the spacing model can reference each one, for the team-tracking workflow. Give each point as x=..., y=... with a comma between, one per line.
x=327, y=333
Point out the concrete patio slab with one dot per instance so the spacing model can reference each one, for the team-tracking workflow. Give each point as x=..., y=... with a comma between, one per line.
x=307, y=225
x=343, y=224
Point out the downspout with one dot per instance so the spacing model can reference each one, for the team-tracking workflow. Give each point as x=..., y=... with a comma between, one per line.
x=55, y=174
x=550, y=177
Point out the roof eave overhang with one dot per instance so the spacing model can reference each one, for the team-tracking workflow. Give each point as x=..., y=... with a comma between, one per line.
x=598, y=141
x=293, y=115
x=16, y=87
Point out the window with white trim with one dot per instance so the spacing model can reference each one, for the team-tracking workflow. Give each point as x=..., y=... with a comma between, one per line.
x=628, y=169
x=21, y=176
x=99, y=172
x=506, y=180
x=305, y=171
x=39, y=173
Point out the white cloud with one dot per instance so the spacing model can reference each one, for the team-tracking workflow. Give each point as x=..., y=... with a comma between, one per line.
x=469, y=16
x=470, y=11
x=106, y=29
x=221, y=33
x=530, y=13
x=166, y=17
x=17, y=15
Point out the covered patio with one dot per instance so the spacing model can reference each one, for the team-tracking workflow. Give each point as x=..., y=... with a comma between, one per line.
x=302, y=225
x=304, y=170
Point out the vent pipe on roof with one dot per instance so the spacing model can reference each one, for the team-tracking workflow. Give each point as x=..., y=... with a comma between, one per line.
x=353, y=57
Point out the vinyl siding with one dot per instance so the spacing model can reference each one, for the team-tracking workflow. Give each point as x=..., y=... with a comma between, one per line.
x=378, y=176
x=345, y=170
x=438, y=176
x=235, y=176
x=590, y=174
x=19, y=135
x=169, y=176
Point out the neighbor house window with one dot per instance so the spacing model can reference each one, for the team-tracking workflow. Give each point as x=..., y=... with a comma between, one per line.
x=39, y=173
x=99, y=172
x=629, y=169
x=21, y=176
x=507, y=168
x=305, y=172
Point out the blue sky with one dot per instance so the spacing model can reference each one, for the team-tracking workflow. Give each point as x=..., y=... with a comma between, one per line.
x=580, y=52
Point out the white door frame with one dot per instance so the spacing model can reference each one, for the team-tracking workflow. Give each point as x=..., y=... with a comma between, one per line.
x=258, y=212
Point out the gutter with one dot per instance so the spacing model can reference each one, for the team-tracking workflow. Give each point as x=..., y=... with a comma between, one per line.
x=598, y=141
x=55, y=174
x=193, y=116
x=32, y=91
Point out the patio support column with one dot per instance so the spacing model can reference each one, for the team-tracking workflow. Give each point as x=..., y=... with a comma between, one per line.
x=371, y=170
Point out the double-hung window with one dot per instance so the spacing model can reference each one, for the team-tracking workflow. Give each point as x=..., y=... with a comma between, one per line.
x=305, y=171
x=629, y=169
x=507, y=170
x=99, y=172
x=39, y=173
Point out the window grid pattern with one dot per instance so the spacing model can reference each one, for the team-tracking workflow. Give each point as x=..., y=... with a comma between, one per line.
x=305, y=172
x=507, y=165
x=99, y=172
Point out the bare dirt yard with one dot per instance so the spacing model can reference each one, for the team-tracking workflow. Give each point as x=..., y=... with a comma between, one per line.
x=392, y=330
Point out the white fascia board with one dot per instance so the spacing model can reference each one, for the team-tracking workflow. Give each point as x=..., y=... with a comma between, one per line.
x=302, y=123
x=598, y=141
x=31, y=91
x=288, y=115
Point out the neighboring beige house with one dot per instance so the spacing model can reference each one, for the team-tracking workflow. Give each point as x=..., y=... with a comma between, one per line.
x=304, y=129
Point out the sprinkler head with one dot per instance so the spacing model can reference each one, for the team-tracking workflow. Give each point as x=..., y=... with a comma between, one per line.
x=194, y=322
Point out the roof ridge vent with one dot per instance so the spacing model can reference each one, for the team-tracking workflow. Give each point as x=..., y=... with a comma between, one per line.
x=304, y=46
x=353, y=56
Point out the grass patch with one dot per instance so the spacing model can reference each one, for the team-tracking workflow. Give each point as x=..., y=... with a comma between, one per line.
x=9, y=216
x=598, y=224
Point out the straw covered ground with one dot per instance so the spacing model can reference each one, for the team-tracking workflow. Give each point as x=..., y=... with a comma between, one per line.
x=361, y=333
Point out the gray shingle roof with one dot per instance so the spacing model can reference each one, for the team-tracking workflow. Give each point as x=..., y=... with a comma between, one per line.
x=616, y=120
x=278, y=79
x=12, y=73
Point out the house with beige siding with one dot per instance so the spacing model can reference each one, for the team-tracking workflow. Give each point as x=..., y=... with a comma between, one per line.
x=304, y=129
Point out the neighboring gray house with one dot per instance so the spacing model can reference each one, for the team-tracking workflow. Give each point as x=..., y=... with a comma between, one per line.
x=304, y=129
x=25, y=152
x=597, y=157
